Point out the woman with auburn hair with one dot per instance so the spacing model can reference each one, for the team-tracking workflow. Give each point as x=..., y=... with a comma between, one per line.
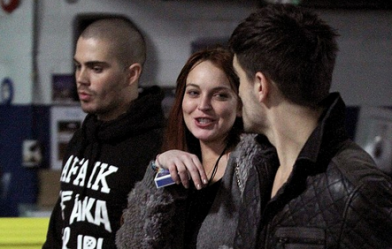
x=205, y=155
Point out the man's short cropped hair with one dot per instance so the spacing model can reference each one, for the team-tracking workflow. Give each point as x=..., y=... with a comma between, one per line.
x=126, y=41
x=292, y=46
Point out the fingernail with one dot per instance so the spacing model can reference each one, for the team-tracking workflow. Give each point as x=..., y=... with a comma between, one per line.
x=198, y=186
x=205, y=181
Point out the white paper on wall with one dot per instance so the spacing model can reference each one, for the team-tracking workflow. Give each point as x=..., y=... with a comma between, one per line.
x=64, y=121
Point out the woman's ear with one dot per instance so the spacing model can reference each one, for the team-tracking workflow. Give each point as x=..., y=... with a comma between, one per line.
x=135, y=70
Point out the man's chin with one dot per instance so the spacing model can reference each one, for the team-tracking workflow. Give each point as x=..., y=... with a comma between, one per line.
x=87, y=109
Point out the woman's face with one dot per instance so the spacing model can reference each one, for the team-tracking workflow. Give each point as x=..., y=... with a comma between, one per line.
x=210, y=106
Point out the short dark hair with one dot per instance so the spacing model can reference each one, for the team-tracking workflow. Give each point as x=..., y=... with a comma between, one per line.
x=177, y=135
x=292, y=46
x=126, y=40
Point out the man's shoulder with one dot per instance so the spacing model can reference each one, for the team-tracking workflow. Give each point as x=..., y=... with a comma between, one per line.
x=357, y=169
x=351, y=158
x=76, y=140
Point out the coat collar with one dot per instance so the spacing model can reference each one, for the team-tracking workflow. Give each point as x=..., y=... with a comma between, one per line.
x=326, y=137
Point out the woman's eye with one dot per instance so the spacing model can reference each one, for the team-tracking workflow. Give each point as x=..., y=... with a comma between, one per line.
x=193, y=93
x=222, y=96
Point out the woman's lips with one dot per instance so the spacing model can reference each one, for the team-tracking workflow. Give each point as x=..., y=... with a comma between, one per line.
x=204, y=121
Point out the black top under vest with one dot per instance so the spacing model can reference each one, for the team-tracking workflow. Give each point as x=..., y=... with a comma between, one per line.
x=200, y=202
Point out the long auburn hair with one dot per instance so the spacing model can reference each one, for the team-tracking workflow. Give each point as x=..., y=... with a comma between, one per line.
x=177, y=136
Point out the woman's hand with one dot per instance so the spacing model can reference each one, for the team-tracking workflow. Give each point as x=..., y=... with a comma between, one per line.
x=183, y=166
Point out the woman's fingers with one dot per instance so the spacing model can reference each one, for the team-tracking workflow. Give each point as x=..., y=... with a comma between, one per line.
x=184, y=166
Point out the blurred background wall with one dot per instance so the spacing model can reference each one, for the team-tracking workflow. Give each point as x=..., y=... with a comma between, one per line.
x=38, y=112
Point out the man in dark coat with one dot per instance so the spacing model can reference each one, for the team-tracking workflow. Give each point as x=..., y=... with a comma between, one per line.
x=326, y=191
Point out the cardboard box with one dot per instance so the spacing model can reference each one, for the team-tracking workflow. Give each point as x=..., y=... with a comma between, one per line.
x=49, y=187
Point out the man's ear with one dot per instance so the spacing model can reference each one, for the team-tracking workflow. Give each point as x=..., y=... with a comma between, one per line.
x=261, y=86
x=134, y=70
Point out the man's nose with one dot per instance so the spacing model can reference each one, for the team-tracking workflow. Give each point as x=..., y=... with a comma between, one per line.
x=81, y=76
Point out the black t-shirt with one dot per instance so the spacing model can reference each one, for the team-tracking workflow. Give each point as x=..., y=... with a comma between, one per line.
x=200, y=202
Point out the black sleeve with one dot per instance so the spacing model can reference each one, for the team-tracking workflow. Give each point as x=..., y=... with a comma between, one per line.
x=54, y=234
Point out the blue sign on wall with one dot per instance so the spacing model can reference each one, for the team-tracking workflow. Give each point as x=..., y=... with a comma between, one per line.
x=19, y=184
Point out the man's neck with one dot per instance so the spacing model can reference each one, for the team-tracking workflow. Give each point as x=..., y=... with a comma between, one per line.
x=290, y=128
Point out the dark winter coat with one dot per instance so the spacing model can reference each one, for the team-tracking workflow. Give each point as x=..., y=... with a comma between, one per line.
x=102, y=163
x=335, y=197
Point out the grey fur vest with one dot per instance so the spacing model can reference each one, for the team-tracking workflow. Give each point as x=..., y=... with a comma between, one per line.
x=155, y=217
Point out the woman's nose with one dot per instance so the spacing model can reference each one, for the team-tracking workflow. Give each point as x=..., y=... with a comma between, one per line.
x=204, y=103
